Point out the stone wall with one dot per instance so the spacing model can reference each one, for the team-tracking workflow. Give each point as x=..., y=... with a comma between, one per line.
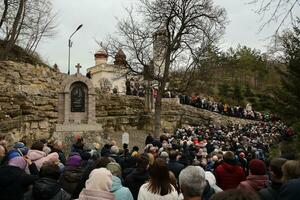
x=29, y=98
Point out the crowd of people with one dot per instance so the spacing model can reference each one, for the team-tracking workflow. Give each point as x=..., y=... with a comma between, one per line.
x=225, y=109
x=202, y=163
x=135, y=88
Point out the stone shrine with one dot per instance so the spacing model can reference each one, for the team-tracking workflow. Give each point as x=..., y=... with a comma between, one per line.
x=76, y=110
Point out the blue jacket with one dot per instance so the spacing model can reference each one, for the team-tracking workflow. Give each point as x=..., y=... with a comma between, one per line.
x=120, y=192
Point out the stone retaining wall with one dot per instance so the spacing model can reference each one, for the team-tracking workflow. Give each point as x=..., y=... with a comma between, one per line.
x=29, y=98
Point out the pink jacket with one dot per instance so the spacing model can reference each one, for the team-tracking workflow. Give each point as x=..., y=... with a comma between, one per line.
x=254, y=183
x=95, y=195
x=40, y=157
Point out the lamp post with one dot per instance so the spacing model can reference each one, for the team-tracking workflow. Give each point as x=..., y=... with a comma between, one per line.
x=70, y=45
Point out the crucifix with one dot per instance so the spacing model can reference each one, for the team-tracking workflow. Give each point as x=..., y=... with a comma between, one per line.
x=78, y=68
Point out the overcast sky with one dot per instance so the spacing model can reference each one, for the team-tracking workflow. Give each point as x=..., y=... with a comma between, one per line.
x=99, y=19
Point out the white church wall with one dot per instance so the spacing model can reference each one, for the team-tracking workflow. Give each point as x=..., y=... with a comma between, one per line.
x=111, y=80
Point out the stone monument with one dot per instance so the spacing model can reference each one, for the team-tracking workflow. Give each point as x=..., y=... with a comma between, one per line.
x=76, y=111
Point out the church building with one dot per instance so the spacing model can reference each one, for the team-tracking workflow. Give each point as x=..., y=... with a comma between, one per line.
x=107, y=77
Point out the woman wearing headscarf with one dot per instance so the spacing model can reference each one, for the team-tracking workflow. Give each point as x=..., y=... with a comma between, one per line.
x=159, y=186
x=38, y=156
x=120, y=192
x=98, y=186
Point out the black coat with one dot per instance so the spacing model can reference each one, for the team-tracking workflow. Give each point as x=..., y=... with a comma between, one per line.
x=47, y=189
x=175, y=167
x=290, y=190
x=271, y=192
x=81, y=183
x=135, y=180
x=70, y=179
x=14, y=182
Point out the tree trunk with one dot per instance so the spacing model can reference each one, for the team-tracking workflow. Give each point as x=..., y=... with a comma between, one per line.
x=14, y=31
x=157, y=113
x=4, y=12
x=21, y=23
x=160, y=93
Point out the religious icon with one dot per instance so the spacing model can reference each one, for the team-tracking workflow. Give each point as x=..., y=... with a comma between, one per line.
x=78, y=99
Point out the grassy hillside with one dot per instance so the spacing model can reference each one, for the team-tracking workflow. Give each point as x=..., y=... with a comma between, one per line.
x=18, y=54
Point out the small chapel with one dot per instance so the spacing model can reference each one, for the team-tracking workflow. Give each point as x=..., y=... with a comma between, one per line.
x=109, y=78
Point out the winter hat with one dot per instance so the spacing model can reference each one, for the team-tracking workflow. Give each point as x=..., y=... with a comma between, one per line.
x=12, y=154
x=18, y=162
x=257, y=167
x=115, y=169
x=19, y=145
x=99, y=180
x=74, y=161
x=114, y=149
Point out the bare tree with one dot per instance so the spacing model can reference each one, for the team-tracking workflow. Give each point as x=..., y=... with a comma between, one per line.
x=40, y=24
x=278, y=11
x=27, y=22
x=164, y=34
x=14, y=31
x=5, y=9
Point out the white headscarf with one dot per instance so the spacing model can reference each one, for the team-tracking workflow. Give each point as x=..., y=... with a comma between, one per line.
x=99, y=179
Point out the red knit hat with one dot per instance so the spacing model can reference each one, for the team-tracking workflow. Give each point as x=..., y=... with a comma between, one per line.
x=257, y=167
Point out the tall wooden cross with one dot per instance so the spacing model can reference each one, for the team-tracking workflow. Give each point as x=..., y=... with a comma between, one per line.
x=78, y=68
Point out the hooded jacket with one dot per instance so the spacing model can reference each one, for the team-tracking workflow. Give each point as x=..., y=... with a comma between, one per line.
x=120, y=192
x=40, y=157
x=254, y=183
x=229, y=175
x=47, y=189
x=135, y=180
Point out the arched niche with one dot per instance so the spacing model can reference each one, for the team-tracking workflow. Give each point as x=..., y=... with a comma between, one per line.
x=78, y=97
x=76, y=101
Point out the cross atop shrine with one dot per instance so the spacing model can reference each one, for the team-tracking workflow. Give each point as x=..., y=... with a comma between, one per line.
x=78, y=68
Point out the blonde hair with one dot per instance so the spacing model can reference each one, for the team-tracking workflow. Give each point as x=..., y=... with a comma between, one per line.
x=151, y=158
x=290, y=170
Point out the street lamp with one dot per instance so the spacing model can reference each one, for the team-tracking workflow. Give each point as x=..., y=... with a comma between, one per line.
x=70, y=45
